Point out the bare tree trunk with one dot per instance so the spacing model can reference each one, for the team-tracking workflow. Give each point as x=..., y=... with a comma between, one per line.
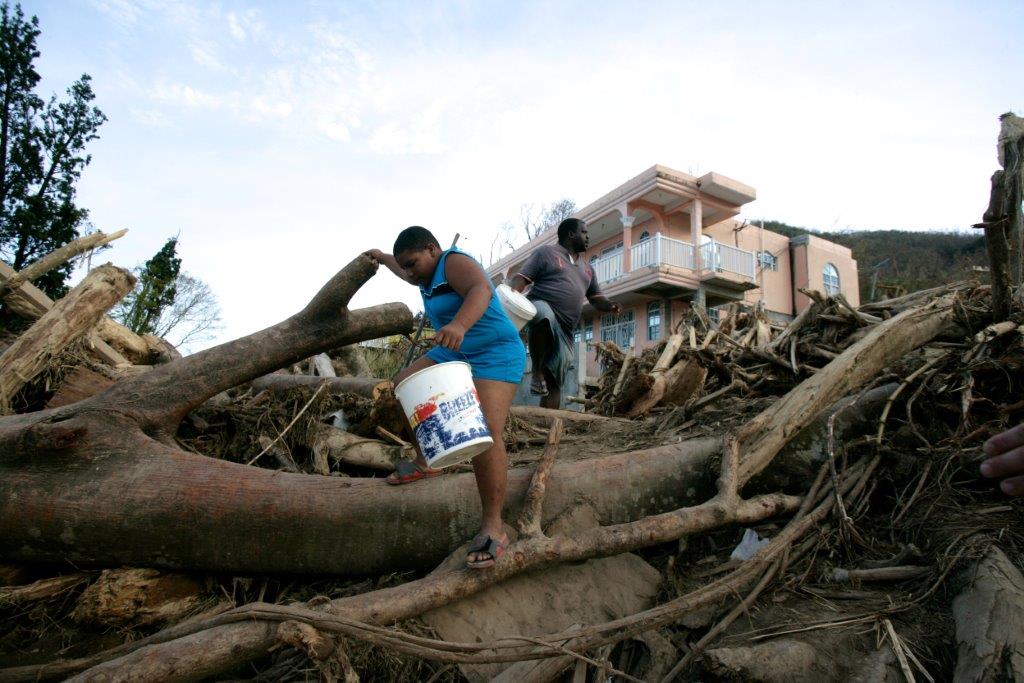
x=71, y=318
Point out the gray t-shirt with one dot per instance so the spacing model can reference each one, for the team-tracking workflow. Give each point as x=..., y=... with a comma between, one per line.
x=561, y=279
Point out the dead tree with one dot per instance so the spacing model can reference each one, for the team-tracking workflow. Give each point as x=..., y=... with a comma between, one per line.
x=1003, y=218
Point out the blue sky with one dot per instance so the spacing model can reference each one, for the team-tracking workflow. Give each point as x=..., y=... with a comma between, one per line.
x=280, y=139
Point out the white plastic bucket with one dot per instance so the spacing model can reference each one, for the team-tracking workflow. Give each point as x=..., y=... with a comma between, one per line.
x=518, y=308
x=444, y=410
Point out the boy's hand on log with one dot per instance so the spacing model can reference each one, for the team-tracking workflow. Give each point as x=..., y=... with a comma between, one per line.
x=450, y=336
x=376, y=254
x=1006, y=460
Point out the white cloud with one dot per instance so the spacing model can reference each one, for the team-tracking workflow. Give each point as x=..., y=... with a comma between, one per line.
x=151, y=117
x=185, y=95
x=247, y=25
x=421, y=136
x=204, y=53
x=125, y=13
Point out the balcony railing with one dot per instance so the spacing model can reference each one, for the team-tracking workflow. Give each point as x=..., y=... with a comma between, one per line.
x=660, y=250
x=608, y=268
x=718, y=257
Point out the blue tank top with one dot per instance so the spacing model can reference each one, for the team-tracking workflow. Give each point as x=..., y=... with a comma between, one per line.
x=441, y=303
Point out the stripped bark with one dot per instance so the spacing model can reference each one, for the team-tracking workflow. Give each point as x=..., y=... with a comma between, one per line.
x=331, y=443
x=31, y=303
x=57, y=258
x=65, y=323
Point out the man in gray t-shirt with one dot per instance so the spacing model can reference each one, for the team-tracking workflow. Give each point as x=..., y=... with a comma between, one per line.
x=561, y=281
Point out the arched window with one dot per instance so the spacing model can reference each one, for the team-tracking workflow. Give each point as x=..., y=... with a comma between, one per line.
x=644, y=236
x=831, y=277
x=654, y=320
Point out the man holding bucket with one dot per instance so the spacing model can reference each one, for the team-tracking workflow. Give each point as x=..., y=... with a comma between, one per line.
x=471, y=329
x=561, y=281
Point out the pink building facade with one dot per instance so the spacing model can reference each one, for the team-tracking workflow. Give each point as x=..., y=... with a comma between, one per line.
x=665, y=239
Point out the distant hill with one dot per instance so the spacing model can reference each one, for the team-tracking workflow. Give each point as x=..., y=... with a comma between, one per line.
x=917, y=260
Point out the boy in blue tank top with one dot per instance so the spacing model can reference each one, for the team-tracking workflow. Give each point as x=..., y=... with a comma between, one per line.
x=471, y=325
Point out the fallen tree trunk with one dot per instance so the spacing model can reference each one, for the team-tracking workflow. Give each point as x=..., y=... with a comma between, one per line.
x=364, y=386
x=70, y=319
x=350, y=526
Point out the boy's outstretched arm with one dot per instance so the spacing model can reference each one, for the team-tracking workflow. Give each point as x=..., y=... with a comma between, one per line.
x=469, y=282
x=389, y=261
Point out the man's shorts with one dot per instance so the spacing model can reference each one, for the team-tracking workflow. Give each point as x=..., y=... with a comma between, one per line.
x=561, y=358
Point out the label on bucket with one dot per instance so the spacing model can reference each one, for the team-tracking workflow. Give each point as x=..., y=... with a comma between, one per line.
x=443, y=423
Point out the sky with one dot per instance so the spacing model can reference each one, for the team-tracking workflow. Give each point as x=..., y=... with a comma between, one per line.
x=281, y=139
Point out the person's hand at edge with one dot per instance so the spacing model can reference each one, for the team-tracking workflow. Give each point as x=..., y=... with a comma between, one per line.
x=1006, y=460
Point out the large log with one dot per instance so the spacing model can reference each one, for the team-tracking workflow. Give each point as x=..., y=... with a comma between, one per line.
x=70, y=319
x=69, y=508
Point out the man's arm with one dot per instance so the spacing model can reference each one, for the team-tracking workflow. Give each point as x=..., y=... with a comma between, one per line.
x=518, y=282
x=604, y=304
x=533, y=268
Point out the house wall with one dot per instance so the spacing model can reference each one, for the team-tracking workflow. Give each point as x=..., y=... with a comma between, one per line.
x=812, y=253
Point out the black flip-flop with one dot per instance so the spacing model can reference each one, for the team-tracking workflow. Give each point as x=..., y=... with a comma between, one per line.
x=485, y=544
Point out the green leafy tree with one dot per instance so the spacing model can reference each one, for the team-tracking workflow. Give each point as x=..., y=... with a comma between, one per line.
x=42, y=153
x=154, y=292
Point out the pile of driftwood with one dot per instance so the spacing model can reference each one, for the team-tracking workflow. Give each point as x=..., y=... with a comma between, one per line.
x=234, y=502
x=744, y=354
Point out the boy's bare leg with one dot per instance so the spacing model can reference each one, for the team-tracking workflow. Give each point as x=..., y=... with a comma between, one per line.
x=491, y=466
x=419, y=364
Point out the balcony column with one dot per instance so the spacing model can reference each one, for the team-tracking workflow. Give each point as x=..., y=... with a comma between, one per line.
x=627, y=239
x=696, y=234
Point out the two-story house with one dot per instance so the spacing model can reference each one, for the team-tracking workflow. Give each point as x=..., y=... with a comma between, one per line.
x=665, y=239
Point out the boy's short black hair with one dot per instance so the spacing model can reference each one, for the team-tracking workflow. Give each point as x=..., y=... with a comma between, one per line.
x=414, y=238
x=568, y=227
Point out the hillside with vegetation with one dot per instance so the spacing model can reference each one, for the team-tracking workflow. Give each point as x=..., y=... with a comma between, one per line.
x=912, y=260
